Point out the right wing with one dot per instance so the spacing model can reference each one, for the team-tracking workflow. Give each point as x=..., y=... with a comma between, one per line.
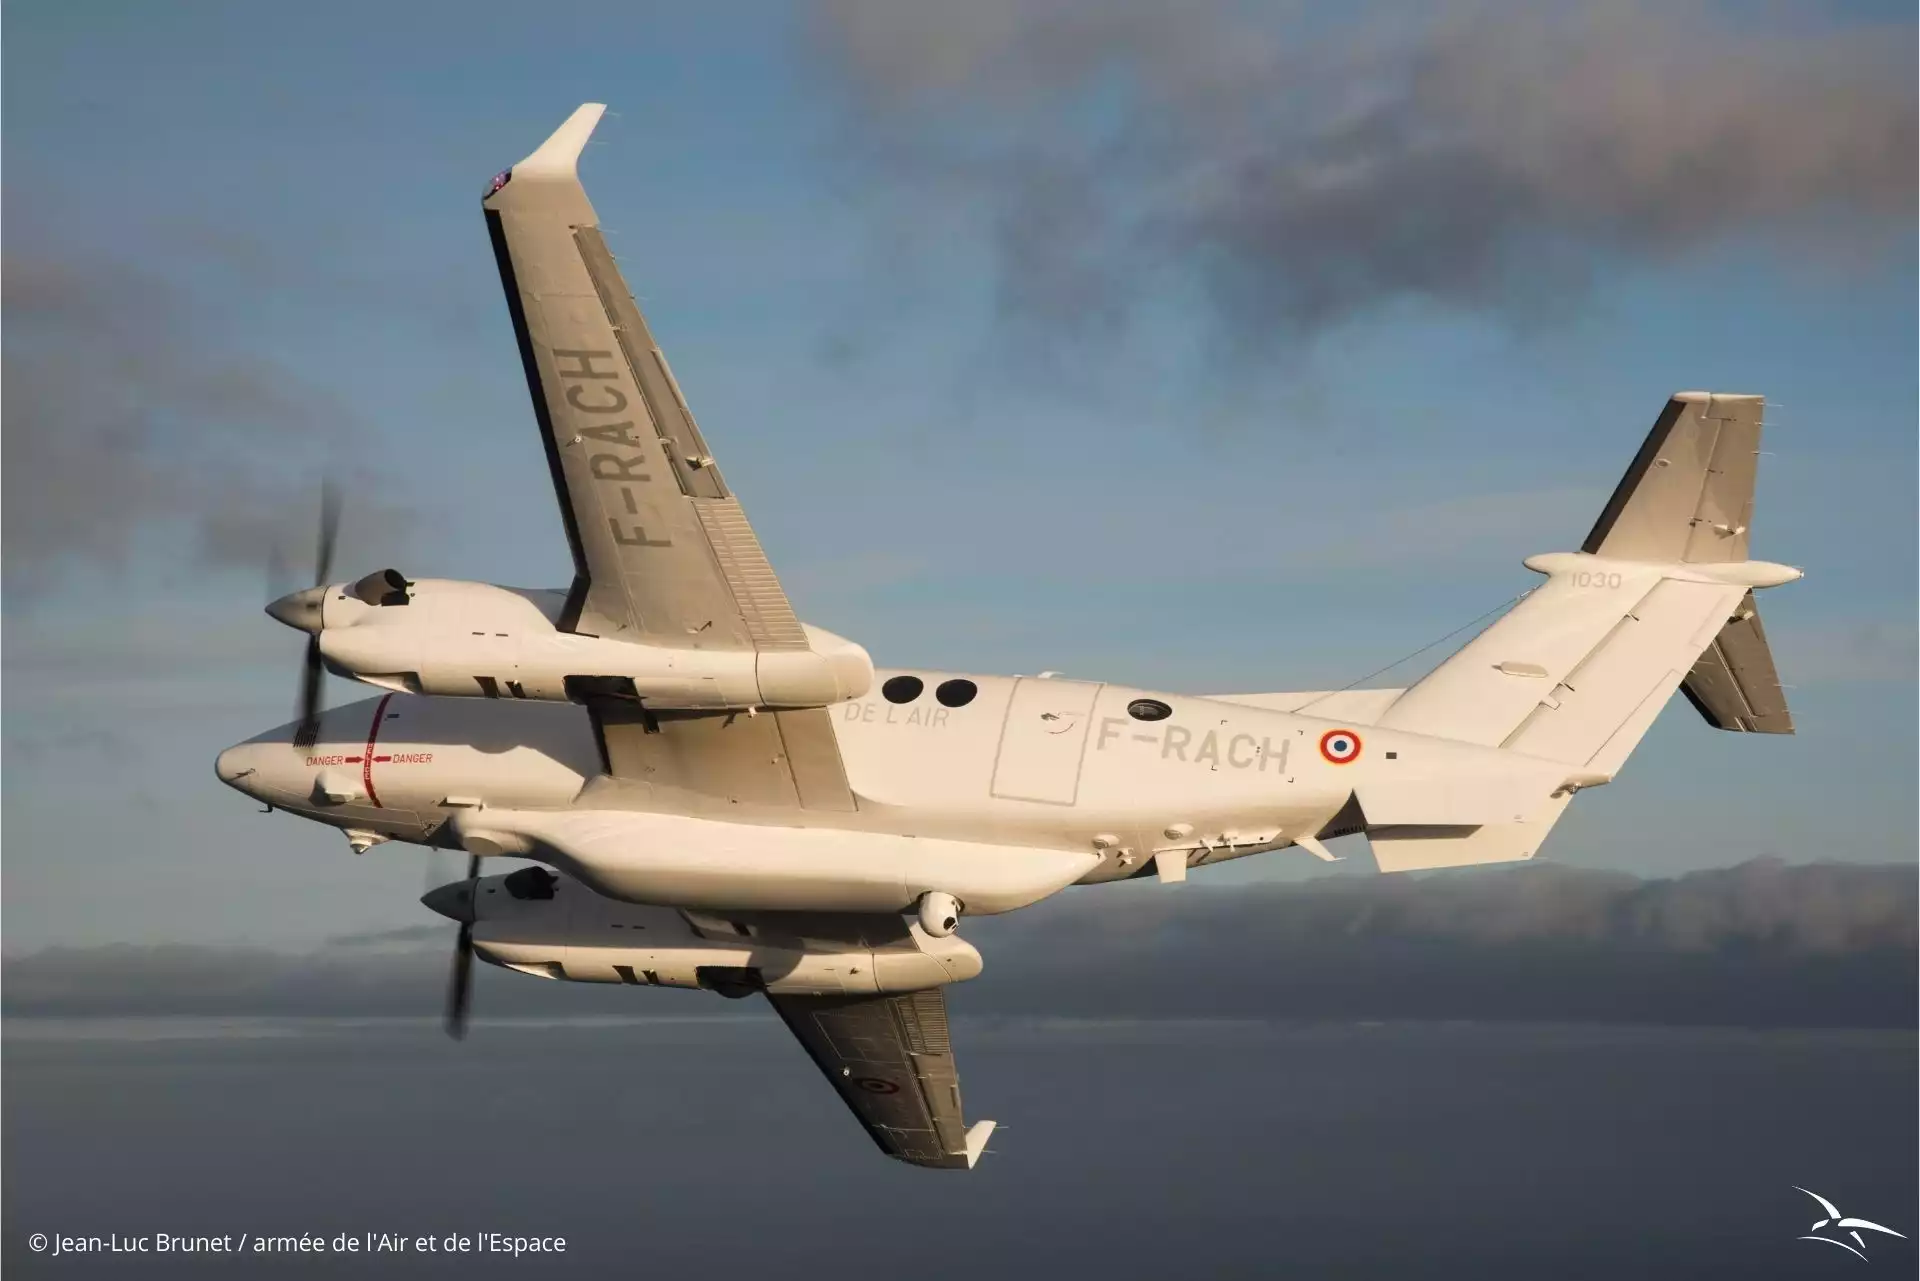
x=662, y=551
x=891, y=1060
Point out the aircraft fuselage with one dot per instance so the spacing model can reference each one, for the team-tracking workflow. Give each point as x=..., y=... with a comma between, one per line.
x=1044, y=763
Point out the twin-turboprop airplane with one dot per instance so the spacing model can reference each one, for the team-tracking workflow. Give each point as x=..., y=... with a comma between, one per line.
x=735, y=800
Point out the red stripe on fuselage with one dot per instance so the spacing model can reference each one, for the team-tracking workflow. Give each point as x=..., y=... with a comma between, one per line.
x=373, y=736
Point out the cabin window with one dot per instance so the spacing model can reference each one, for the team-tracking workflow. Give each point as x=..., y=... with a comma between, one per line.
x=1148, y=709
x=902, y=689
x=956, y=693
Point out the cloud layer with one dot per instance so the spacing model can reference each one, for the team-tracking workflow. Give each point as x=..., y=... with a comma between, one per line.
x=1763, y=944
x=130, y=407
x=1297, y=174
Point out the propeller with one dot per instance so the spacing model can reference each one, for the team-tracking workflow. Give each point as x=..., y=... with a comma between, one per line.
x=459, y=901
x=301, y=611
x=460, y=982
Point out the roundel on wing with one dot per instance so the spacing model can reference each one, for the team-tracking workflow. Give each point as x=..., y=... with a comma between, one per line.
x=1340, y=746
x=874, y=1085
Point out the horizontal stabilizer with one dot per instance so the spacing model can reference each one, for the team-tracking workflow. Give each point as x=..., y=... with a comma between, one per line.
x=1734, y=683
x=1596, y=714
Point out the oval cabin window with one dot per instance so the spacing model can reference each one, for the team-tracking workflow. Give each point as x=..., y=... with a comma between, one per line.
x=902, y=689
x=1148, y=709
x=956, y=693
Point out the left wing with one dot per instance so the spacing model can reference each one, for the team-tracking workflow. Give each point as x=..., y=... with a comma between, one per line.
x=892, y=1062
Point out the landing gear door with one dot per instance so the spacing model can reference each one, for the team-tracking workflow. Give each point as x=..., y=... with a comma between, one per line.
x=1043, y=739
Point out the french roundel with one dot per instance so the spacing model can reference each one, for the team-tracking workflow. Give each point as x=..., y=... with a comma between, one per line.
x=1340, y=746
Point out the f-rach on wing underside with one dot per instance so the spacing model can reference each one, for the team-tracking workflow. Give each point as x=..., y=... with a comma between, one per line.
x=662, y=552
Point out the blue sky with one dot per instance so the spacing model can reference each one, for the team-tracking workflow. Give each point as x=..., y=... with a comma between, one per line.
x=289, y=198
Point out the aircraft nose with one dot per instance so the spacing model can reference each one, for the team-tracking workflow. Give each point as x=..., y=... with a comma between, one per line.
x=453, y=901
x=299, y=610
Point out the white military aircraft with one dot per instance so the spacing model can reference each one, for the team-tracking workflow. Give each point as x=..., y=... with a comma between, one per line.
x=732, y=799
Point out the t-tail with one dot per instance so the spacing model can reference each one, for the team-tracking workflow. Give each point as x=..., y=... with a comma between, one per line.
x=1660, y=597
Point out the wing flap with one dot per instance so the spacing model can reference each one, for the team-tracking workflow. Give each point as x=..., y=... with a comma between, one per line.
x=763, y=604
x=776, y=760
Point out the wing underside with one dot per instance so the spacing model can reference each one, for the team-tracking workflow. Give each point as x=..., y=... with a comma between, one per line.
x=663, y=553
x=662, y=550
x=890, y=1059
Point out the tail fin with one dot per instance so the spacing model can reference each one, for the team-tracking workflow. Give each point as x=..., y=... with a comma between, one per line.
x=1688, y=497
x=1659, y=594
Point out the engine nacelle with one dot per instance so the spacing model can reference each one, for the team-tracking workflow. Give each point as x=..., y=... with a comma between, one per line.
x=554, y=927
x=476, y=640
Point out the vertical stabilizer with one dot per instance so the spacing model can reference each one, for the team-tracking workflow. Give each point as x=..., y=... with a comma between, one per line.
x=1688, y=497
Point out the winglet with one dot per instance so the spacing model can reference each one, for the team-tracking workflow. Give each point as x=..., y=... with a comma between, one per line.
x=977, y=1136
x=559, y=154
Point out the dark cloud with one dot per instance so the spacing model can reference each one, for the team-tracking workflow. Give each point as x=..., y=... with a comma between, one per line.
x=1763, y=944
x=1297, y=174
x=130, y=405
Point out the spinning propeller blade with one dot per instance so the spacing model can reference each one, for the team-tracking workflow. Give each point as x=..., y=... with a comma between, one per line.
x=460, y=983
x=288, y=611
x=329, y=532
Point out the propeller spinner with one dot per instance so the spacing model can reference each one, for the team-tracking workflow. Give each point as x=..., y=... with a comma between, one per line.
x=302, y=610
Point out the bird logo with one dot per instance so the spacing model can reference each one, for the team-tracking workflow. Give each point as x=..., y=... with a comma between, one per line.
x=1835, y=1222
